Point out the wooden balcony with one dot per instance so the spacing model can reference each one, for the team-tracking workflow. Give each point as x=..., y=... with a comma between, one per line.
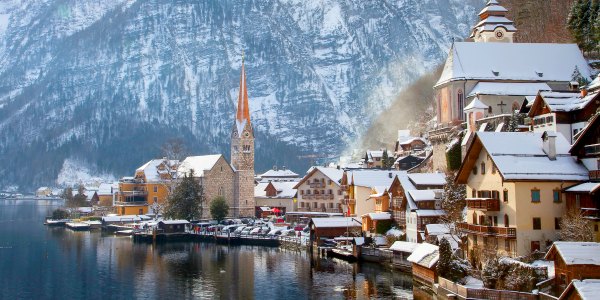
x=507, y=232
x=484, y=204
x=594, y=174
x=349, y=201
x=592, y=149
x=133, y=193
x=317, y=185
x=131, y=203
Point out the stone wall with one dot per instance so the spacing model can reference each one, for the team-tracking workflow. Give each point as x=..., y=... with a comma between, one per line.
x=218, y=181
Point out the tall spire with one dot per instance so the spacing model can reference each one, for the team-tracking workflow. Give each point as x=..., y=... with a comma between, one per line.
x=243, y=112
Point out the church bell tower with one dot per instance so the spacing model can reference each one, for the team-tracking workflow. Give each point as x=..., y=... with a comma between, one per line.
x=242, y=154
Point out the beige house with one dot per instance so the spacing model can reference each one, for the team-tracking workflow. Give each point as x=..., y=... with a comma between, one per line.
x=367, y=190
x=320, y=191
x=279, y=195
x=514, y=191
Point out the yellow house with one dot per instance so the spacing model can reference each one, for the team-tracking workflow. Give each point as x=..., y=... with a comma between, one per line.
x=514, y=200
x=148, y=189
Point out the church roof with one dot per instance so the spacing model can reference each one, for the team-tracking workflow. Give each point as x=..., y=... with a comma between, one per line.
x=243, y=112
x=508, y=88
x=198, y=163
x=533, y=62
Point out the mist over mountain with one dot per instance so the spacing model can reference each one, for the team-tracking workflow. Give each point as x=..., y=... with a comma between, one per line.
x=105, y=83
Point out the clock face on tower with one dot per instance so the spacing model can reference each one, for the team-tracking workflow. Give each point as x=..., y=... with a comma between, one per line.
x=499, y=34
x=246, y=133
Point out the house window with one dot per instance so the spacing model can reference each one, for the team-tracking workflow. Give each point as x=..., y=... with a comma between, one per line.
x=557, y=223
x=495, y=195
x=535, y=246
x=475, y=170
x=596, y=227
x=482, y=168
x=493, y=168
x=535, y=195
x=155, y=199
x=340, y=192
x=505, y=195
x=490, y=109
x=475, y=240
x=474, y=193
x=556, y=196
x=506, y=220
x=330, y=192
x=308, y=192
x=301, y=192
x=301, y=204
x=474, y=219
x=537, y=223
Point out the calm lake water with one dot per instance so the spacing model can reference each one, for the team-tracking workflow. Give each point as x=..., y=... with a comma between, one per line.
x=37, y=262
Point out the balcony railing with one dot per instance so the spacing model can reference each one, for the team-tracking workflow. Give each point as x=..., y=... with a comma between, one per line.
x=348, y=201
x=316, y=185
x=508, y=232
x=130, y=203
x=594, y=174
x=592, y=149
x=590, y=213
x=486, y=204
x=133, y=193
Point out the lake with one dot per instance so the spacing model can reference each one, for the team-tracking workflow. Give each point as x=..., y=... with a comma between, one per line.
x=39, y=262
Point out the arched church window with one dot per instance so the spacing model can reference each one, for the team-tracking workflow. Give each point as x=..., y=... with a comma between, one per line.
x=461, y=105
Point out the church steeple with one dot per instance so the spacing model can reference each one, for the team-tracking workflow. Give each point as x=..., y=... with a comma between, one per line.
x=493, y=25
x=243, y=112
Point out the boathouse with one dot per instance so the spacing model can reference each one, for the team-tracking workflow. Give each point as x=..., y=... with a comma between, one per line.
x=173, y=226
x=328, y=228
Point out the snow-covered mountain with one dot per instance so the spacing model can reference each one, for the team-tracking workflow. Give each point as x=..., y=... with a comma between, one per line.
x=107, y=82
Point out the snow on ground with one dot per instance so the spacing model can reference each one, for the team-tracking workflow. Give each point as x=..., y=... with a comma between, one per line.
x=473, y=282
x=395, y=232
x=74, y=172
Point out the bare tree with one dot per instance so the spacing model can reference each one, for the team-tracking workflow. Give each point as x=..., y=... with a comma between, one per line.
x=174, y=149
x=574, y=227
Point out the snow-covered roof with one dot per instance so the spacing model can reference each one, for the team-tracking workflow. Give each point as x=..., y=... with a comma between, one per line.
x=549, y=264
x=43, y=189
x=198, y=163
x=151, y=168
x=336, y=222
x=508, y=89
x=401, y=246
x=475, y=104
x=105, y=189
x=373, y=178
x=425, y=255
x=586, y=187
x=278, y=173
x=412, y=139
x=594, y=85
x=174, y=222
x=124, y=218
x=334, y=174
x=528, y=161
x=379, y=216
x=428, y=178
x=437, y=229
x=285, y=189
x=587, y=289
x=430, y=212
x=565, y=101
x=423, y=195
x=577, y=253
x=537, y=62
x=492, y=8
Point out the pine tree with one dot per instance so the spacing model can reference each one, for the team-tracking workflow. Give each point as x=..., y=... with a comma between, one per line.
x=186, y=201
x=453, y=205
x=445, y=260
x=513, y=123
x=219, y=208
x=385, y=160
x=576, y=76
x=68, y=196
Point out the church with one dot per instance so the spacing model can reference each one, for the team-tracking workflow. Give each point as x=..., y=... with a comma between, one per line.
x=487, y=77
x=235, y=181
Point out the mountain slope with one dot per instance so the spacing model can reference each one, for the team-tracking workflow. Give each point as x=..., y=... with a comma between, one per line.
x=108, y=82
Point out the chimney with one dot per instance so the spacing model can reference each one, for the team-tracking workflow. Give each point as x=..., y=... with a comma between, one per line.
x=390, y=174
x=583, y=93
x=573, y=86
x=549, y=144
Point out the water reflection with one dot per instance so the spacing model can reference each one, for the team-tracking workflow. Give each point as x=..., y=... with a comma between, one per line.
x=40, y=262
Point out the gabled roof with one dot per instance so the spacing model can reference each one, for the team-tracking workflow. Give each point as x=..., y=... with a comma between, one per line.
x=594, y=85
x=373, y=178
x=587, y=289
x=424, y=195
x=285, y=189
x=401, y=246
x=513, y=62
x=278, y=173
x=520, y=156
x=378, y=216
x=199, y=164
x=586, y=187
x=576, y=253
x=437, y=179
x=587, y=132
x=476, y=104
x=559, y=101
x=151, y=169
x=334, y=174
x=425, y=255
x=336, y=222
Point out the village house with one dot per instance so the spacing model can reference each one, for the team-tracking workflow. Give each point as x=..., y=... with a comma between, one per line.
x=320, y=191
x=424, y=259
x=368, y=191
x=566, y=112
x=374, y=159
x=279, y=197
x=43, y=192
x=407, y=144
x=107, y=193
x=585, y=197
x=276, y=174
x=401, y=251
x=581, y=289
x=329, y=228
x=149, y=185
x=408, y=162
x=514, y=191
x=574, y=261
x=517, y=70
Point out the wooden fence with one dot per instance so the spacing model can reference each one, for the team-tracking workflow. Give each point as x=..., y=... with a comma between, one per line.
x=483, y=293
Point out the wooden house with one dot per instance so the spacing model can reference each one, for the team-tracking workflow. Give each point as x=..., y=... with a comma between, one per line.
x=328, y=228
x=582, y=289
x=424, y=259
x=574, y=260
x=173, y=226
x=401, y=251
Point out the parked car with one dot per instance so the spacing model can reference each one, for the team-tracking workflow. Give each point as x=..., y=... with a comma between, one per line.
x=214, y=228
x=276, y=231
x=239, y=229
x=256, y=231
x=246, y=230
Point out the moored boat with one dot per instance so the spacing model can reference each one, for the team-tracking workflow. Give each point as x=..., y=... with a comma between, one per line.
x=77, y=226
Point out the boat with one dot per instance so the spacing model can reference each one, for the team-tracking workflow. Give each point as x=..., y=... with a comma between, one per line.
x=56, y=223
x=126, y=232
x=77, y=226
x=344, y=252
x=94, y=224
